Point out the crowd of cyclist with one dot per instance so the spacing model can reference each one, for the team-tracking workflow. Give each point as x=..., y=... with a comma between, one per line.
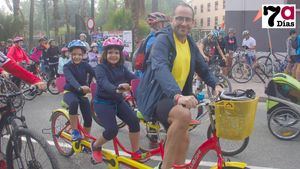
x=171, y=59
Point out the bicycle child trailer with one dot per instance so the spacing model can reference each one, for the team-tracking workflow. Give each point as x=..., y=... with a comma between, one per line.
x=283, y=106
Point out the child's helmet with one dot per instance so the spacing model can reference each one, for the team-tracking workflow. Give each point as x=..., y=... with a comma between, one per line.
x=113, y=42
x=77, y=44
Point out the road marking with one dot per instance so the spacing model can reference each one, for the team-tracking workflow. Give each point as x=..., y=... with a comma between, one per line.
x=158, y=158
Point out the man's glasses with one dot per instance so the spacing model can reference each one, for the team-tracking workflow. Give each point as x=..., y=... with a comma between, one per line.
x=181, y=19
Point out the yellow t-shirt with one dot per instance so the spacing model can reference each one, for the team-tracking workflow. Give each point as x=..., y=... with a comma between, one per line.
x=182, y=62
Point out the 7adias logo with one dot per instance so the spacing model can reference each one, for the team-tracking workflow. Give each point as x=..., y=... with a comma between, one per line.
x=278, y=16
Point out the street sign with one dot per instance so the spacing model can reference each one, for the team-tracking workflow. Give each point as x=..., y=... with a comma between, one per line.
x=90, y=24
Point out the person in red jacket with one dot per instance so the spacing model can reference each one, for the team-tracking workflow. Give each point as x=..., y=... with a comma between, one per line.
x=16, y=52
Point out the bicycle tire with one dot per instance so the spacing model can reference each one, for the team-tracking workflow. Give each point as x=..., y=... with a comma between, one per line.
x=285, y=135
x=10, y=151
x=269, y=65
x=230, y=152
x=120, y=123
x=225, y=82
x=29, y=94
x=53, y=90
x=259, y=72
x=60, y=144
x=239, y=70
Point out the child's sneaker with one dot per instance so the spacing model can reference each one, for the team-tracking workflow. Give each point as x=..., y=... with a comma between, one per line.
x=96, y=153
x=141, y=156
x=76, y=135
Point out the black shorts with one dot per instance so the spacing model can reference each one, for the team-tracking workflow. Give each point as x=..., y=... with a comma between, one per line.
x=162, y=111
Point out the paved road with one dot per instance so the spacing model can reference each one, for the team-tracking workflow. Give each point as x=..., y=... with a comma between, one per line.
x=263, y=151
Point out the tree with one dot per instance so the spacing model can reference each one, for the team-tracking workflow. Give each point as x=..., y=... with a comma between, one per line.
x=31, y=24
x=154, y=5
x=16, y=7
x=55, y=18
x=67, y=20
x=135, y=5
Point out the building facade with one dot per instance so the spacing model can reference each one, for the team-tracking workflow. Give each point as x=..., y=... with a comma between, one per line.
x=208, y=13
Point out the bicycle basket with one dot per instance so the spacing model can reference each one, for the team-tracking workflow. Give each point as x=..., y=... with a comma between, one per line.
x=235, y=119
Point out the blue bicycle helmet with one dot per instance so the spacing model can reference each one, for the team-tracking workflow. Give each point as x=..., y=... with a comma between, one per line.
x=77, y=44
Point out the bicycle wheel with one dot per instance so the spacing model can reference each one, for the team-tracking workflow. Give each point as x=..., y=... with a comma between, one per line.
x=283, y=123
x=51, y=86
x=268, y=63
x=230, y=147
x=241, y=72
x=29, y=93
x=225, y=82
x=120, y=123
x=60, y=123
x=259, y=74
x=29, y=150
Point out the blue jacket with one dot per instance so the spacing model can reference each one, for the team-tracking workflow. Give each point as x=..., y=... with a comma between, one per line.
x=158, y=81
x=77, y=75
x=108, y=79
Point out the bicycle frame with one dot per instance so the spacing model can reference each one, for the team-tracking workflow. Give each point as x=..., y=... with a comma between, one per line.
x=112, y=158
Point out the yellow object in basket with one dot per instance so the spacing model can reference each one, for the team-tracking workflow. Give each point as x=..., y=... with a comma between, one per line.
x=235, y=119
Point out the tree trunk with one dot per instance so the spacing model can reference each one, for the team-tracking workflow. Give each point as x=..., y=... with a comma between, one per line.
x=106, y=10
x=46, y=25
x=55, y=18
x=142, y=9
x=93, y=9
x=154, y=6
x=31, y=20
x=127, y=4
x=16, y=7
x=115, y=4
x=67, y=20
x=83, y=8
x=135, y=16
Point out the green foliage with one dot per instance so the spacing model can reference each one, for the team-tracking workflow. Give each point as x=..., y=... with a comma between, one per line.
x=119, y=20
x=9, y=27
x=143, y=29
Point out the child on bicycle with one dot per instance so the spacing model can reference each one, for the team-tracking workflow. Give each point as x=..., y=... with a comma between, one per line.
x=63, y=59
x=112, y=80
x=78, y=76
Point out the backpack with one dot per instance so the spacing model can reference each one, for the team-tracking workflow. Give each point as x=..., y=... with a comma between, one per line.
x=295, y=44
x=140, y=56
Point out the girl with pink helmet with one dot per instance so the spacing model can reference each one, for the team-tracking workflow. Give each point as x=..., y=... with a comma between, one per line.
x=113, y=79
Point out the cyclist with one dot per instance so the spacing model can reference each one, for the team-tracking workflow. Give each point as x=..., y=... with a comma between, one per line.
x=112, y=80
x=52, y=56
x=93, y=55
x=63, y=59
x=18, y=55
x=82, y=37
x=210, y=48
x=291, y=52
x=249, y=43
x=38, y=52
x=167, y=83
x=78, y=76
x=156, y=21
x=230, y=47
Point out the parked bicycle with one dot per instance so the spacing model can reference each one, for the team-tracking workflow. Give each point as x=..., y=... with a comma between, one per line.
x=24, y=148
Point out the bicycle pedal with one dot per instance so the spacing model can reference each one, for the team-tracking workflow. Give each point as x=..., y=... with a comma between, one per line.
x=94, y=162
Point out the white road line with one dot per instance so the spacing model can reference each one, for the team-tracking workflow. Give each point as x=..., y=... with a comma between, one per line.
x=157, y=158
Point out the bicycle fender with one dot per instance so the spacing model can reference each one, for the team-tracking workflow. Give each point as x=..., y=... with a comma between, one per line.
x=64, y=111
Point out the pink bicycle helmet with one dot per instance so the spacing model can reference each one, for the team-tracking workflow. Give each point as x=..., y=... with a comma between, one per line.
x=113, y=42
x=18, y=39
x=155, y=17
x=64, y=49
